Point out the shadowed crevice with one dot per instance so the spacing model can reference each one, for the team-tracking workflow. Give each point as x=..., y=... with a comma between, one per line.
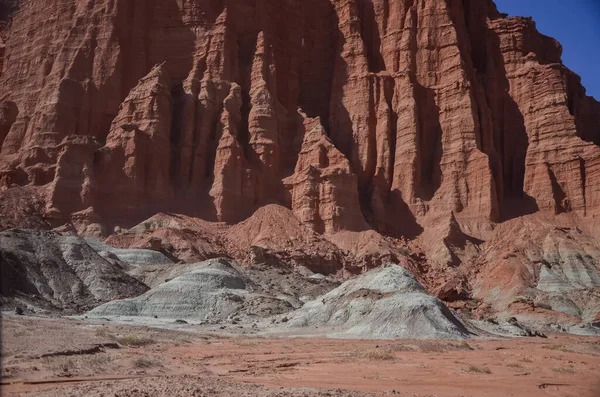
x=369, y=33
x=558, y=193
x=429, y=142
x=319, y=45
x=246, y=53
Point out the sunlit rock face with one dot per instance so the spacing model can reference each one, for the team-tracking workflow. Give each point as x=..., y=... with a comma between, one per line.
x=369, y=120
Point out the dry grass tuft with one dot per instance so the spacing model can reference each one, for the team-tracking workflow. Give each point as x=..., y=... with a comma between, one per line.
x=146, y=362
x=103, y=333
x=463, y=345
x=561, y=348
x=59, y=364
x=247, y=342
x=126, y=340
x=514, y=364
x=209, y=336
x=378, y=354
x=563, y=370
x=96, y=360
x=133, y=340
x=444, y=347
x=401, y=347
x=478, y=370
x=434, y=347
x=93, y=362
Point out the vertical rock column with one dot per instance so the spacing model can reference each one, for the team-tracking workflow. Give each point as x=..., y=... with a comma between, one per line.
x=133, y=168
x=263, y=130
x=403, y=111
x=561, y=169
x=323, y=188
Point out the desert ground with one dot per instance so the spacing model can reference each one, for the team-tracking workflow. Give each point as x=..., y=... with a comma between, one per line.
x=83, y=357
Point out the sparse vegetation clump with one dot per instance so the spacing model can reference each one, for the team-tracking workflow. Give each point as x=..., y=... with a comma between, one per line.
x=463, y=345
x=561, y=348
x=443, y=347
x=247, y=342
x=563, y=370
x=102, y=333
x=401, y=347
x=146, y=362
x=134, y=340
x=378, y=354
x=434, y=347
x=59, y=364
x=96, y=362
x=478, y=370
x=126, y=340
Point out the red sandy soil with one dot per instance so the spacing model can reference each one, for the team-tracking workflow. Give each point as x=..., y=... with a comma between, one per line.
x=174, y=363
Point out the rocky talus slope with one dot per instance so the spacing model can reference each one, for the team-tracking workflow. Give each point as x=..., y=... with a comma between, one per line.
x=430, y=133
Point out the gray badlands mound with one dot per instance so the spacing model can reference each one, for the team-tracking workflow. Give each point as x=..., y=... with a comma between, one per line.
x=65, y=272
x=49, y=270
x=133, y=256
x=385, y=303
x=209, y=291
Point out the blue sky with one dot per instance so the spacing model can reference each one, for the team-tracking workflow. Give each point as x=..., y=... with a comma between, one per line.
x=575, y=24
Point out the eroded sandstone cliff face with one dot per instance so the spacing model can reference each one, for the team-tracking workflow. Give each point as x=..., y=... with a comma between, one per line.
x=213, y=108
x=424, y=119
x=202, y=106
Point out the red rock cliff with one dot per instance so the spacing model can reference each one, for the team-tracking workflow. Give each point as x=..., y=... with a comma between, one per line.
x=355, y=114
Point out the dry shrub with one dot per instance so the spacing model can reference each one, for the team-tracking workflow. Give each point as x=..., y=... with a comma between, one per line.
x=146, y=362
x=561, y=348
x=444, y=347
x=463, y=345
x=403, y=348
x=96, y=360
x=478, y=370
x=434, y=347
x=247, y=342
x=378, y=354
x=59, y=364
x=103, y=333
x=563, y=370
x=133, y=340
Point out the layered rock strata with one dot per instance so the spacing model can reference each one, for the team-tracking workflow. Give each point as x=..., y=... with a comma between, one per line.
x=354, y=114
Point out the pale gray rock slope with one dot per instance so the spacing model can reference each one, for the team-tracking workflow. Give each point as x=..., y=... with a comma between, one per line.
x=568, y=280
x=209, y=291
x=568, y=265
x=59, y=272
x=381, y=304
x=132, y=256
x=384, y=303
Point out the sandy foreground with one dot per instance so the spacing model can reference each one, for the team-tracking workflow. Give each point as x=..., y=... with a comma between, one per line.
x=64, y=357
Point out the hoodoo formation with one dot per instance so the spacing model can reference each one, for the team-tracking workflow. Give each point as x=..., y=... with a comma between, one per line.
x=332, y=134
